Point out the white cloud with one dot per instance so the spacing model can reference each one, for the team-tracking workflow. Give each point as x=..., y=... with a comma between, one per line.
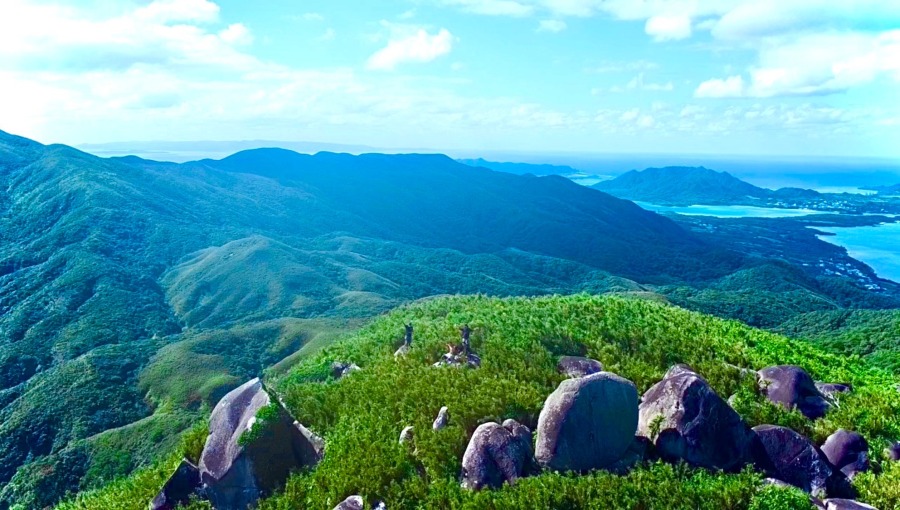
x=236, y=33
x=668, y=28
x=718, y=88
x=492, y=7
x=551, y=25
x=638, y=83
x=419, y=47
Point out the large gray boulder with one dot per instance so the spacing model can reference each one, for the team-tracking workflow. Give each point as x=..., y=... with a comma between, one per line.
x=237, y=472
x=792, y=458
x=830, y=390
x=179, y=488
x=847, y=451
x=686, y=420
x=496, y=454
x=846, y=504
x=587, y=423
x=577, y=366
x=791, y=387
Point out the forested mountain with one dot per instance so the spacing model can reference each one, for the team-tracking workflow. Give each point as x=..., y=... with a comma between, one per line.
x=134, y=293
x=113, y=271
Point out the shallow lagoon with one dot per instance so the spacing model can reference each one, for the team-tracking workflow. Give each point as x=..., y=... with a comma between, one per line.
x=877, y=246
x=729, y=211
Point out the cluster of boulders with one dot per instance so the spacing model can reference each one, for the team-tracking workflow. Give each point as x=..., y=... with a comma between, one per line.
x=235, y=469
x=595, y=420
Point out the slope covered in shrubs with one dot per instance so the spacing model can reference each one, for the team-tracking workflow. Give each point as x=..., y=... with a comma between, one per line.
x=519, y=341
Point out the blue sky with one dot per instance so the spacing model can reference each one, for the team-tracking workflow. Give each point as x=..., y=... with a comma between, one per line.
x=766, y=77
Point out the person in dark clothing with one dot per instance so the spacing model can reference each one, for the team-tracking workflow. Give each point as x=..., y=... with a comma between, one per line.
x=409, y=334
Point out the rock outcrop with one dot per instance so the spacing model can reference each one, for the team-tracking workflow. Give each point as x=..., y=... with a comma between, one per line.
x=686, y=420
x=340, y=369
x=587, y=423
x=442, y=418
x=791, y=387
x=847, y=451
x=846, y=504
x=893, y=452
x=179, y=488
x=787, y=456
x=577, y=366
x=831, y=389
x=496, y=454
x=406, y=435
x=351, y=503
x=236, y=469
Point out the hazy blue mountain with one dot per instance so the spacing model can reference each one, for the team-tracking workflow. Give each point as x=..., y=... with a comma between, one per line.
x=521, y=168
x=682, y=186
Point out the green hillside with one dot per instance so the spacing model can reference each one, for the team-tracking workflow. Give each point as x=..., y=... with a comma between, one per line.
x=519, y=341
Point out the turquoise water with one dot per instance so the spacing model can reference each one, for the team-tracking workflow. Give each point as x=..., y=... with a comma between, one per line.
x=728, y=211
x=877, y=246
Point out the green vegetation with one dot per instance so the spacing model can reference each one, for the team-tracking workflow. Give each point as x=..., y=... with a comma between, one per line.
x=874, y=334
x=519, y=341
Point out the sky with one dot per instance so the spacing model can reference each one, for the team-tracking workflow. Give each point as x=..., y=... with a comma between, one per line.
x=761, y=77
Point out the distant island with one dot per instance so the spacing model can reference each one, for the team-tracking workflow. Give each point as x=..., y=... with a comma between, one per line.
x=682, y=186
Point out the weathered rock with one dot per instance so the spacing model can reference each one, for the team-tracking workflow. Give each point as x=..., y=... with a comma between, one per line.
x=577, y=366
x=340, y=369
x=351, y=503
x=792, y=458
x=846, y=504
x=179, y=488
x=496, y=454
x=678, y=369
x=406, y=435
x=402, y=351
x=893, y=451
x=686, y=420
x=442, y=418
x=791, y=387
x=236, y=475
x=847, y=451
x=639, y=451
x=452, y=359
x=776, y=482
x=587, y=423
x=832, y=389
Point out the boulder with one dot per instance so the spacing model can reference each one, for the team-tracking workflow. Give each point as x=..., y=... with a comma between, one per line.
x=686, y=420
x=893, y=451
x=576, y=366
x=351, y=503
x=406, y=435
x=236, y=471
x=442, y=418
x=787, y=456
x=179, y=488
x=496, y=454
x=847, y=451
x=846, y=504
x=832, y=389
x=639, y=451
x=791, y=387
x=678, y=369
x=587, y=423
x=340, y=369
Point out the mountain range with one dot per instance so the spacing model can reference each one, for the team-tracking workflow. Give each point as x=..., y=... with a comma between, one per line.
x=134, y=293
